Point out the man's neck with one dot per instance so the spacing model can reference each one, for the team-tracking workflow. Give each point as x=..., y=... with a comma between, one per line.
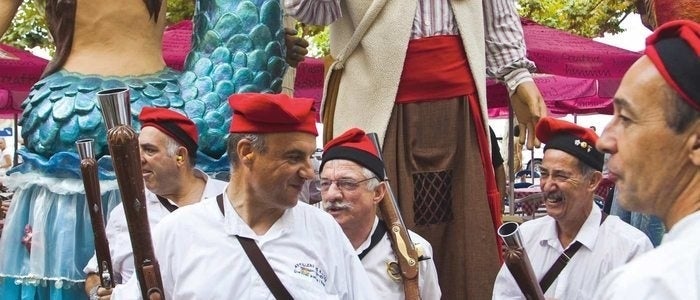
x=255, y=214
x=687, y=203
x=358, y=234
x=568, y=229
x=191, y=191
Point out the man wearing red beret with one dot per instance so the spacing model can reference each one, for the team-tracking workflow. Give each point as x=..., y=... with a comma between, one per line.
x=654, y=142
x=168, y=142
x=208, y=250
x=575, y=245
x=351, y=188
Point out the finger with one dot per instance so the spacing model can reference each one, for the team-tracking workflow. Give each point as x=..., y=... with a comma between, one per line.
x=302, y=42
x=290, y=31
x=530, y=135
x=523, y=133
x=300, y=51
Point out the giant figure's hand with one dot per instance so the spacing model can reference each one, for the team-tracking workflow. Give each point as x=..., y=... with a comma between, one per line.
x=296, y=47
x=529, y=107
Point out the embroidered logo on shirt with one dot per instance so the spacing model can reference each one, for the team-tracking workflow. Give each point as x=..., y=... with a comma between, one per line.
x=311, y=271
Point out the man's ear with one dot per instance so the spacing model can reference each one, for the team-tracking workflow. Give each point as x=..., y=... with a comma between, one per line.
x=180, y=155
x=380, y=192
x=595, y=180
x=693, y=145
x=244, y=150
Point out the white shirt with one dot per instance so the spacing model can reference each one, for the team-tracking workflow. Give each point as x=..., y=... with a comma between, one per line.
x=118, y=232
x=200, y=257
x=376, y=260
x=605, y=247
x=671, y=271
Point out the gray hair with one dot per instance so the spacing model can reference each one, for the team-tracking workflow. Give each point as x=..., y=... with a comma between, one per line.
x=679, y=115
x=171, y=147
x=257, y=142
x=373, y=183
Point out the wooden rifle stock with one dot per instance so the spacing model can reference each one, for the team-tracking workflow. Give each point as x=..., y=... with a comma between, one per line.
x=518, y=263
x=91, y=182
x=401, y=243
x=124, y=148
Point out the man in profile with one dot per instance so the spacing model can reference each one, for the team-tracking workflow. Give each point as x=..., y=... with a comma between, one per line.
x=168, y=143
x=654, y=145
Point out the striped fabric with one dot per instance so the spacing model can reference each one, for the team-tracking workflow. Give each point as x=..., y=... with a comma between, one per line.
x=505, y=46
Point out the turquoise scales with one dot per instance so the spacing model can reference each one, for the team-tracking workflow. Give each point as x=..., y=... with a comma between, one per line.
x=62, y=108
x=237, y=47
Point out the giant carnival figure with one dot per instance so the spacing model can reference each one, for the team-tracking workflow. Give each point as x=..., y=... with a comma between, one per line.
x=238, y=46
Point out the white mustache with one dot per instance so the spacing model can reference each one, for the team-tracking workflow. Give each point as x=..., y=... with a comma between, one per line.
x=336, y=205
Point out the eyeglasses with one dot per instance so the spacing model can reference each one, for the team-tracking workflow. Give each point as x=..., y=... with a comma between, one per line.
x=348, y=185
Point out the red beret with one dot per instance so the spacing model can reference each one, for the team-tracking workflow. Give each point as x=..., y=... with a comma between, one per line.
x=172, y=123
x=269, y=113
x=674, y=48
x=570, y=138
x=354, y=145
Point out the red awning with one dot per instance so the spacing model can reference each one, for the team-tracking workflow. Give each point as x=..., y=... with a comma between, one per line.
x=19, y=70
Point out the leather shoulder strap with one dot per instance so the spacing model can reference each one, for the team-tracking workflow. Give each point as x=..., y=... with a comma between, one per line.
x=563, y=260
x=264, y=269
x=260, y=262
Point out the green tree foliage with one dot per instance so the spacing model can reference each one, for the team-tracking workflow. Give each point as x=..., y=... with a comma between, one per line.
x=317, y=37
x=589, y=18
x=28, y=28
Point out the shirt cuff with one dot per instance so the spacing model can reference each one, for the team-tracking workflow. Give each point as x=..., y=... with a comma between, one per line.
x=515, y=78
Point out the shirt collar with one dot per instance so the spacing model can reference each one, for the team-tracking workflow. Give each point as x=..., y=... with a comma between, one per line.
x=684, y=228
x=587, y=234
x=368, y=240
x=234, y=224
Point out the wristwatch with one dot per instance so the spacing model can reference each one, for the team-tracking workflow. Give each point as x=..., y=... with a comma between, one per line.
x=93, y=293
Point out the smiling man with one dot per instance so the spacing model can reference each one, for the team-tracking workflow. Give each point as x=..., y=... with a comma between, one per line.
x=570, y=172
x=205, y=249
x=168, y=144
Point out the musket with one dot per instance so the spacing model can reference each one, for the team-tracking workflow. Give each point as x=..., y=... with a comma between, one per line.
x=518, y=263
x=404, y=249
x=124, y=148
x=88, y=168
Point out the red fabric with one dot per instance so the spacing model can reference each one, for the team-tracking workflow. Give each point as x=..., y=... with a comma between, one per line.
x=562, y=95
x=308, y=82
x=559, y=52
x=269, y=113
x=686, y=30
x=435, y=68
x=549, y=127
x=177, y=41
x=151, y=116
x=19, y=69
x=494, y=197
x=353, y=138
